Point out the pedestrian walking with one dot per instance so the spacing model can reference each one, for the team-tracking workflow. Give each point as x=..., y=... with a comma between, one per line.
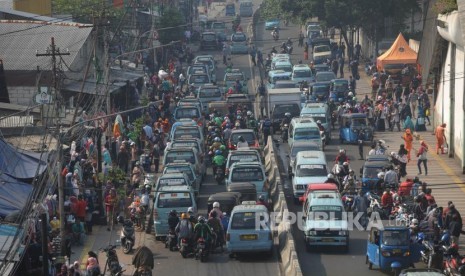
x=440, y=138
x=301, y=39
x=408, y=138
x=306, y=51
x=334, y=66
x=413, y=100
x=341, y=66
x=422, y=158
x=110, y=204
x=253, y=54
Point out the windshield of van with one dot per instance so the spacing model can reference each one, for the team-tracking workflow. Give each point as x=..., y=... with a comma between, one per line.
x=187, y=156
x=186, y=113
x=295, y=150
x=234, y=77
x=174, y=200
x=177, y=144
x=316, y=117
x=311, y=170
x=186, y=132
x=326, y=212
x=278, y=78
x=248, y=136
x=247, y=174
x=371, y=172
x=395, y=238
x=359, y=122
x=172, y=181
x=209, y=93
x=183, y=169
x=306, y=133
x=282, y=109
x=244, y=220
x=198, y=79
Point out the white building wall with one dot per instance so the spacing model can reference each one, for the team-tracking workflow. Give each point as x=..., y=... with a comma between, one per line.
x=459, y=98
x=443, y=97
x=22, y=95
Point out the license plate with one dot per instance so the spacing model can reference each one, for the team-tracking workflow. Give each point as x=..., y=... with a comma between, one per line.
x=248, y=237
x=396, y=251
x=202, y=246
x=327, y=240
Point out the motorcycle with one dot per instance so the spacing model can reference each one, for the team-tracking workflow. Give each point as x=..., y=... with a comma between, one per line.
x=323, y=139
x=127, y=235
x=454, y=264
x=219, y=175
x=201, y=250
x=289, y=48
x=432, y=255
x=284, y=133
x=171, y=240
x=275, y=36
x=185, y=247
x=348, y=200
x=112, y=262
x=375, y=205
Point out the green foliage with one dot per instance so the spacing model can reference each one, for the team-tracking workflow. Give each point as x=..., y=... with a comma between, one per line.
x=445, y=6
x=115, y=175
x=170, y=26
x=138, y=125
x=83, y=11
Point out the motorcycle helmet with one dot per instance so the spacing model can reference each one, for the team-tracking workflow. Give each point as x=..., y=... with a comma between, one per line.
x=216, y=204
x=445, y=237
x=351, y=94
x=239, y=112
x=381, y=175
x=249, y=113
x=287, y=114
x=330, y=176
x=173, y=213
x=393, y=154
x=237, y=124
x=228, y=126
x=190, y=210
x=261, y=198
x=217, y=139
x=184, y=216
x=286, y=125
x=218, y=152
x=453, y=249
x=201, y=219
x=341, y=151
x=415, y=222
x=239, y=117
x=462, y=269
x=351, y=171
x=345, y=164
x=222, y=147
x=120, y=219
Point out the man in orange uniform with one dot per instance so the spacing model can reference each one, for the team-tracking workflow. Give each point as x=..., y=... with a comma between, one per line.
x=408, y=138
x=440, y=138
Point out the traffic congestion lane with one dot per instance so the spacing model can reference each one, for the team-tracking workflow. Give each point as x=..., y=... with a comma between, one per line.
x=171, y=263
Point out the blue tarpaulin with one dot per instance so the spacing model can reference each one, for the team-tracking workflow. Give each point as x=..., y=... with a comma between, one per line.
x=21, y=164
x=13, y=195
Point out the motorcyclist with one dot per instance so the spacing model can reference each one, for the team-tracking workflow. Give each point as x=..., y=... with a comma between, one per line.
x=173, y=220
x=275, y=33
x=218, y=161
x=284, y=47
x=304, y=87
x=215, y=223
x=349, y=182
x=331, y=179
x=341, y=158
x=216, y=208
x=320, y=126
x=143, y=261
x=266, y=128
x=251, y=122
x=238, y=87
x=184, y=229
x=273, y=50
x=286, y=120
x=380, y=183
x=261, y=201
x=216, y=144
x=192, y=218
x=289, y=42
x=203, y=230
x=381, y=149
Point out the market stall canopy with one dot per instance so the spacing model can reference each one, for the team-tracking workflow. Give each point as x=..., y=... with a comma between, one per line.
x=399, y=53
x=14, y=195
x=21, y=164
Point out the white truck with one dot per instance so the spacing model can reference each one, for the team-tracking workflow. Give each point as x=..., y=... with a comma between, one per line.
x=280, y=101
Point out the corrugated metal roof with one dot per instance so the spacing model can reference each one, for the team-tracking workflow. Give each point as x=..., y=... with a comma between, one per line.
x=20, y=40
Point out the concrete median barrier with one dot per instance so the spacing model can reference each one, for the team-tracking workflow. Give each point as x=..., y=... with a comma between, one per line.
x=283, y=235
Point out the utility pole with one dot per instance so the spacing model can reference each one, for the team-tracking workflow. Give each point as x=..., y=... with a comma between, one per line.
x=54, y=52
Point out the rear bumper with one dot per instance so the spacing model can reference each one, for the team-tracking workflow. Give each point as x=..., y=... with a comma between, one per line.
x=327, y=241
x=249, y=246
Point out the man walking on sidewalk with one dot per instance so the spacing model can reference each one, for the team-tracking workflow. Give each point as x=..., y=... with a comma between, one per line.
x=440, y=138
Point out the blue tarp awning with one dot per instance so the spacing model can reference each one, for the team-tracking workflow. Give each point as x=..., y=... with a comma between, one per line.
x=21, y=164
x=14, y=195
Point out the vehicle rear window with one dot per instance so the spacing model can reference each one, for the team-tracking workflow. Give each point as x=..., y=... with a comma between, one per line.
x=306, y=133
x=247, y=174
x=311, y=170
x=187, y=156
x=234, y=77
x=325, y=77
x=183, y=169
x=278, y=78
x=198, y=79
x=316, y=117
x=172, y=181
x=186, y=132
x=282, y=109
x=318, y=89
x=209, y=93
x=185, y=144
x=244, y=220
x=284, y=85
x=186, y=113
x=174, y=200
x=248, y=136
x=326, y=212
x=209, y=37
x=302, y=73
x=243, y=158
x=296, y=150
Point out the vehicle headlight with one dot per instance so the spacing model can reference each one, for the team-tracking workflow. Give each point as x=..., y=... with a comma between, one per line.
x=342, y=233
x=407, y=253
x=311, y=233
x=385, y=253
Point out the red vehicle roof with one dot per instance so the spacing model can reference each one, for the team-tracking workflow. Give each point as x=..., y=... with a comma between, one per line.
x=319, y=187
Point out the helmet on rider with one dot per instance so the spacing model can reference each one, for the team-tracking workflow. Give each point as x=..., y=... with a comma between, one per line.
x=381, y=175
x=217, y=139
x=415, y=222
x=216, y=204
x=190, y=210
x=239, y=112
x=261, y=198
x=173, y=213
x=330, y=176
x=249, y=113
x=201, y=219
x=351, y=94
x=345, y=164
x=342, y=151
x=239, y=117
x=218, y=152
x=287, y=114
x=237, y=124
x=351, y=171
x=228, y=126
x=222, y=147
x=318, y=122
x=184, y=216
x=393, y=154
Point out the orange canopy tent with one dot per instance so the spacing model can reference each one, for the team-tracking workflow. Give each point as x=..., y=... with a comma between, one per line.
x=399, y=53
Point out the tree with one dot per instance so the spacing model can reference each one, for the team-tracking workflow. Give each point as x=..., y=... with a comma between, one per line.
x=83, y=11
x=171, y=26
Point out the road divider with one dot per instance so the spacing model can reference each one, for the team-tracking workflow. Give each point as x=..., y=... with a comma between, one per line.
x=283, y=235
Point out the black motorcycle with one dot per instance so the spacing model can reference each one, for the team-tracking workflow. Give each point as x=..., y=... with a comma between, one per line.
x=201, y=251
x=284, y=133
x=219, y=175
x=185, y=248
x=171, y=240
x=127, y=235
x=112, y=262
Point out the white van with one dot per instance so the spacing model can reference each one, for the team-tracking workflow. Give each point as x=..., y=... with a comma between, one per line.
x=309, y=167
x=246, y=9
x=305, y=129
x=325, y=223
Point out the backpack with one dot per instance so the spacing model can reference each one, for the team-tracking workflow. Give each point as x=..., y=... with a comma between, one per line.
x=185, y=232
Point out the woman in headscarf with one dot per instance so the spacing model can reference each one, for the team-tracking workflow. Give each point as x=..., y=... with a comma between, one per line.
x=93, y=268
x=408, y=124
x=402, y=156
x=408, y=138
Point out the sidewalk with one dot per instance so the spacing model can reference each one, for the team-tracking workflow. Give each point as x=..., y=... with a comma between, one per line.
x=444, y=173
